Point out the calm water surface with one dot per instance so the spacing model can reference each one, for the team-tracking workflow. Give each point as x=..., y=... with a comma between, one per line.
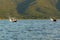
x=29, y=30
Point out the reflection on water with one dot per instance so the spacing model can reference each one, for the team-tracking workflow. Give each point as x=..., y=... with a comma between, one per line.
x=30, y=30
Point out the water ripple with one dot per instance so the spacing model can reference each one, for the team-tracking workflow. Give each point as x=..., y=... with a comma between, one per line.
x=30, y=30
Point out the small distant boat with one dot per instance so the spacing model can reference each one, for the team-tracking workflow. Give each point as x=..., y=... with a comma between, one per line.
x=12, y=19
x=53, y=19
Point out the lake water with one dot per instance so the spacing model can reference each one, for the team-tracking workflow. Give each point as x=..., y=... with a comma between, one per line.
x=29, y=30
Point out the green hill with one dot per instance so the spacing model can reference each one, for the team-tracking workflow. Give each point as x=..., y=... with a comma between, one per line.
x=29, y=9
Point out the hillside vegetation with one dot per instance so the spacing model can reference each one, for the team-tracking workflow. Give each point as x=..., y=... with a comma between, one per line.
x=29, y=9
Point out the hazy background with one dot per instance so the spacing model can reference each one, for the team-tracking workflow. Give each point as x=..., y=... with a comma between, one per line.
x=29, y=9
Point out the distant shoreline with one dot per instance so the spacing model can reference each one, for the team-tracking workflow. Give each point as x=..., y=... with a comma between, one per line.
x=29, y=19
